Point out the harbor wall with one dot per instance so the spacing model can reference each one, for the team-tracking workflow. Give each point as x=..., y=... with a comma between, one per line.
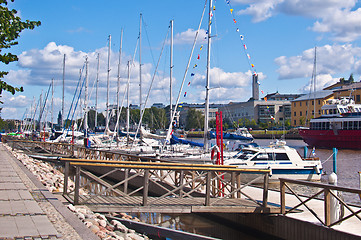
x=278, y=227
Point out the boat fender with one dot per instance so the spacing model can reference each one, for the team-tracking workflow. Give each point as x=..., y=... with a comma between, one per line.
x=318, y=169
x=270, y=173
x=215, y=149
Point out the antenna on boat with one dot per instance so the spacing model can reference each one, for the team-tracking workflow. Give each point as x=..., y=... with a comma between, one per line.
x=314, y=83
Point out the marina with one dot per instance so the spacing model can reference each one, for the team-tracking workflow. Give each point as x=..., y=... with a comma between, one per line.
x=273, y=196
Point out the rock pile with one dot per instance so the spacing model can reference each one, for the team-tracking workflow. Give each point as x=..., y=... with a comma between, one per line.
x=53, y=179
x=104, y=229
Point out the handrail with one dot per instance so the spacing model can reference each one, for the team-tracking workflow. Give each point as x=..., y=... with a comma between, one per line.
x=329, y=196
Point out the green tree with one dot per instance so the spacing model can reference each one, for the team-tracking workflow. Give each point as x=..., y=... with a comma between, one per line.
x=10, y=28
x=195, y=119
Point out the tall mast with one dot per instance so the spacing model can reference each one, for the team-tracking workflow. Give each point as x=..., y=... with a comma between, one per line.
x=62, y=105
x=206, y=107
x=314, y=85
x=96, y=96
x=108, y=81
x=128, y=111
x=86, y=98
x=171, y=70
x=140, y=63
x=118, y=87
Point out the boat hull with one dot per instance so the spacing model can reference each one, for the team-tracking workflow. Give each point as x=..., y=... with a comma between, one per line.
x=343, y=139
x=309, y=174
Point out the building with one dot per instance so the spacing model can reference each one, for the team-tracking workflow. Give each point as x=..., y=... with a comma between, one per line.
x=158, y=105
x=309, y=106
x=274, y=107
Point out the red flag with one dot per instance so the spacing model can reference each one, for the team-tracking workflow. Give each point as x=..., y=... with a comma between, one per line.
x=234, y=20
x=198, y=57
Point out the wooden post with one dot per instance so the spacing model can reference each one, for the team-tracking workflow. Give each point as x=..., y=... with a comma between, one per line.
x=145, y=187
x=327, y=198
x=265, y=190
x=126, y=174
x=283, y=196
x=233, y=183
x=77, y=185
x=181, y=179
x=208, y=189
x=238, y=184
x=66, y=177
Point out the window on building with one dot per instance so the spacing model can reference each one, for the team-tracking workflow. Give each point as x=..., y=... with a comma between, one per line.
x=357, y=98
x=319, y=102
x=294, y=114
x=312, y=103
x=294, y=122
x=294, y=104
x=300, y=104
x=300, y=113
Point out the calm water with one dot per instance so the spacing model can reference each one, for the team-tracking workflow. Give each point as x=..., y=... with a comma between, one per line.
x=348, y=166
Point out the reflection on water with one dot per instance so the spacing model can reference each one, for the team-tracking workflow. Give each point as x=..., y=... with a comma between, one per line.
x=196, y=224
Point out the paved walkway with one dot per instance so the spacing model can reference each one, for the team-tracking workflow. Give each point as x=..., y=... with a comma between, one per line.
x=28, y=210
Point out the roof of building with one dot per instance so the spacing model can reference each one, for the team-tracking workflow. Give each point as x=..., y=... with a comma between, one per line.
x=315, y=95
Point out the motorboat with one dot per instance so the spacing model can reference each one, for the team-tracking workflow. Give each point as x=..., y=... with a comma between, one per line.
x=339, y=126
x=282, y=160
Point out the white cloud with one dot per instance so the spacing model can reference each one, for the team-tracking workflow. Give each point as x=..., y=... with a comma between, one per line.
x=322, y=81
x=339, y=18
x=188, y=36
x=331, y=59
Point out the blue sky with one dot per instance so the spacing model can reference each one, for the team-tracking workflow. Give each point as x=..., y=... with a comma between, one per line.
x=280, y=36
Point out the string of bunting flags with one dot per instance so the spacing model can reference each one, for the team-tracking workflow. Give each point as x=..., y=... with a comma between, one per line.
x=241, y=37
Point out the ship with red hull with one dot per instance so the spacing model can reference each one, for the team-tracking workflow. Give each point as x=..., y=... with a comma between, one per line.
x=338, y=127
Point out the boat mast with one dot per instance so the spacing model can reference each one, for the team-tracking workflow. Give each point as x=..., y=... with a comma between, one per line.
x=206, y=107
x=96, y=96
x=86, y=99
x=62, y=105
x=314, y=85
x=171, y=71
x=118, y=85
x=128, y=111
x=108, y=81
x=140, y=63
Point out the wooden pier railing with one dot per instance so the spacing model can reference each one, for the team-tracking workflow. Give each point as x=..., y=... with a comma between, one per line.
x=175, y=184
x=324, y=192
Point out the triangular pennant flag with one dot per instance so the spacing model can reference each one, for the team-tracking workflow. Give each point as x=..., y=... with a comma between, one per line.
x=262, y=92
x=192, y=74
x=195, y=65
x=189, y=83
x=234, y=20
x=201, y=47
x=252, y=65
x=185, y=94
x=241, y=36
x=249, y=57
x=245, y=47
x=198, y=57
x=231, y=10
x=237, y=30
x=214, y=8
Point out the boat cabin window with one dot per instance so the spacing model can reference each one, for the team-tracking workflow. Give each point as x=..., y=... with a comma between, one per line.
x=271, y=157
x=245, y=154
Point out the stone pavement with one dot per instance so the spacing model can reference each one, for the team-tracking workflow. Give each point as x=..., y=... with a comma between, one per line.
x=28, y=210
